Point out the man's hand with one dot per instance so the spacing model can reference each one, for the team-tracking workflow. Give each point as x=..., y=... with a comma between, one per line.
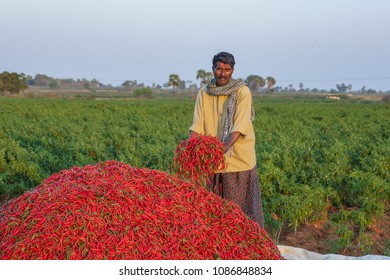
x=231, y=140
x=192, y=133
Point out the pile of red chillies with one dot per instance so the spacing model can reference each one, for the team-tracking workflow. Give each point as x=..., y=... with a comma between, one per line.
x=115, y=211
x=198, y=157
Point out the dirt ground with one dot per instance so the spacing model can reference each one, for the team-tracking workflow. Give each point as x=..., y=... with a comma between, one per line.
x=320, y=238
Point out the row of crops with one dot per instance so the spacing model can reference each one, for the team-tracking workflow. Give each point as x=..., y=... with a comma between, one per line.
x=312, y=156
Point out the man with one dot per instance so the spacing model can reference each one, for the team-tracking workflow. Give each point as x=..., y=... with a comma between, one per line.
x=224, y=109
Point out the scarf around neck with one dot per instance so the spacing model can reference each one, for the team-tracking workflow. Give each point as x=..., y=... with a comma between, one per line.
x=228, y=90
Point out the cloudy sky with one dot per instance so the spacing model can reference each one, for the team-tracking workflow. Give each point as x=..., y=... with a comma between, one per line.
x=320, y=43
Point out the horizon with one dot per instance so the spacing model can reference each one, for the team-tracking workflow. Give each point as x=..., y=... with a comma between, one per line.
x=197, y=83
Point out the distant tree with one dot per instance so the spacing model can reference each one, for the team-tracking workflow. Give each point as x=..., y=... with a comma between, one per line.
x=200, y=75
x=12, y=82
x=349, y=88
x=174, y=81
x=342, y=87
x=143, y=93
x=208, y=77
x=270, y=83
x=67, y=82
x=182, y=84
x=203, y=76
x=28, y=80
x=86, y=85
x=54, y=84
x=301, y=86
x=95, y=83
x=255, y=82
x=41, y=80
x=129, y=84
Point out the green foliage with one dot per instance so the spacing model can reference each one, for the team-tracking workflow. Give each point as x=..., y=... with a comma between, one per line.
x=345, y=236
x=41, y=137
x=143, y=93
x=174, y=80
x=255, y=82
x=203, y=76
x=54, y=84
x=387, y=249
x=12, y=82
x=311, y=156
x=314, y=156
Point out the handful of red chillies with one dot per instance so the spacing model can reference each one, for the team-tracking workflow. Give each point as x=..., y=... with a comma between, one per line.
x=198, y=157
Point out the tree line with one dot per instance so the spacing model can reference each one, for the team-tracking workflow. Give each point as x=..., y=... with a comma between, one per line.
x=17, y=82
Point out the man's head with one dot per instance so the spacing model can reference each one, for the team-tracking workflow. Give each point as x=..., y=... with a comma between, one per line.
x=223, y=68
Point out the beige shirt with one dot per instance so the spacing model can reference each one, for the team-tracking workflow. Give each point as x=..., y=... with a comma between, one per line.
x=209, y=115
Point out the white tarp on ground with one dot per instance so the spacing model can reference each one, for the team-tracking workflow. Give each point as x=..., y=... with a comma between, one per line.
x=293, y=253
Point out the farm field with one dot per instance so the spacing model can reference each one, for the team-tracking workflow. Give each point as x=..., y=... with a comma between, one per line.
x=323, y=165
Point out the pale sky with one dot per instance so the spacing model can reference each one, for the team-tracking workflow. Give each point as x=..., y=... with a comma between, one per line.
x=320, y=43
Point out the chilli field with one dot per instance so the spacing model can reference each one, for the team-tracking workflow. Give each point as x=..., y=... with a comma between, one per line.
x=319, y=162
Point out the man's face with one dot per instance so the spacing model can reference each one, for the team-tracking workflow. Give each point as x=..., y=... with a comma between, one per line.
x=223, y=73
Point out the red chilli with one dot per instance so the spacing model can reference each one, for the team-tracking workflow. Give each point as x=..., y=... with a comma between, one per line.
x=114, y=211
x=198, y=157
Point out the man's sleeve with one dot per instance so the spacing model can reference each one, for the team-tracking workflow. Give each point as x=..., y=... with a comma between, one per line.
x=198, y=118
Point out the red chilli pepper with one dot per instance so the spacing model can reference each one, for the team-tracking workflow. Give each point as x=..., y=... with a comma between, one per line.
x=112, y=210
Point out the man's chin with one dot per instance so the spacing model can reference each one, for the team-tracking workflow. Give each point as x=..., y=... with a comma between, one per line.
x=221, y=83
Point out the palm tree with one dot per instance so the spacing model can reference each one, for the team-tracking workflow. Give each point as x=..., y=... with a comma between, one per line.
x=255, y=82
x=174, y=81
x=208, y=77
x=270, y=83
x=200, y=74
x=203, y=76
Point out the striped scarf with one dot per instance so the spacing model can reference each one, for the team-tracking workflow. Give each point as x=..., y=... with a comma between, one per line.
x=228, y=90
